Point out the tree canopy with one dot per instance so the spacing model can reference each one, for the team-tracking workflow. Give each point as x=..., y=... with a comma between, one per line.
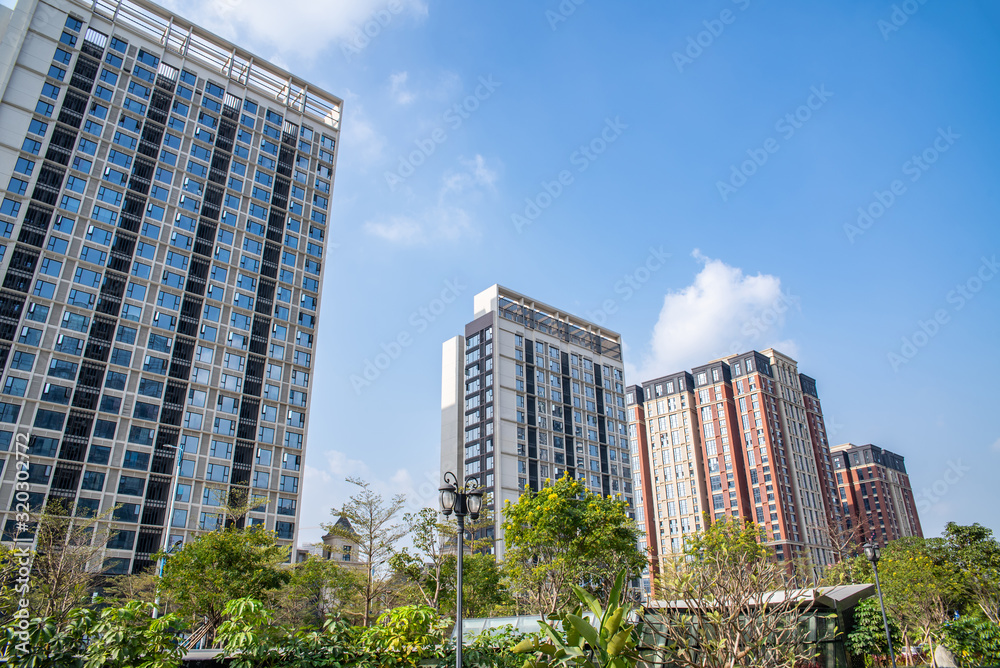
x=565, y=534
x=220, y=566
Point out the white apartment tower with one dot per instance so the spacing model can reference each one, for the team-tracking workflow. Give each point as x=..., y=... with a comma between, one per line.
x=530, y=392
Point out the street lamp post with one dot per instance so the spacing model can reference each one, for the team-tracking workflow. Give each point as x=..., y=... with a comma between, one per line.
x=465, y=500
x=161, y=562
x=874, y=553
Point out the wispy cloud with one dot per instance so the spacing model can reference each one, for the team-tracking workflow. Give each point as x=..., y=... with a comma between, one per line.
x=326, y=488
x=302, y=29
x=477, y=175
x=397, y=229
x=452, y=216
x=397, y=88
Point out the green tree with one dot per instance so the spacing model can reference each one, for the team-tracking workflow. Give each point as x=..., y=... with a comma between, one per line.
x=66, y=565
x=921, y=585
x=117, y=637
x=10, y=566
x=129, y=637
x=141, y=586
x=317, y=588
x=251, y=639
x=220, y=566
x=431, y=566
x=405, y=635
x=974, y=640
x=376, y=533
x=609, y=642
x=247, y=636
x=484, y=590
x=976, y=555
x=565, y=534
x=46, y=644
x=867, y=640
x=423, y=566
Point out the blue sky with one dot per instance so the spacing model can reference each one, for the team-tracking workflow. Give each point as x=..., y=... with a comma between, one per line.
x=740, y=138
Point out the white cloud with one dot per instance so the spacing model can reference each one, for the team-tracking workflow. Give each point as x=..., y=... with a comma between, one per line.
x=722, y=312
x=361, y=141
x=303, y=28
x=397, y=229
x=452, y=223
x=326, y=488
x=996, y=445
x=398, y=90
x=438, y=223
x=477, y=174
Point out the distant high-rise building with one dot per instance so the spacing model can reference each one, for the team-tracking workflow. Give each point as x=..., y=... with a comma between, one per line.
x=875, y=493
x=741, y=437
x=163, y=229
x=530, y=392
x=669, y=465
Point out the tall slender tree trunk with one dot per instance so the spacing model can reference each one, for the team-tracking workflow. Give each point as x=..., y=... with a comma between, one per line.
x=368, y=596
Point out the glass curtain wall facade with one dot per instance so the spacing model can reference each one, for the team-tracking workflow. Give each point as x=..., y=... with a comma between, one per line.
x=162, y=238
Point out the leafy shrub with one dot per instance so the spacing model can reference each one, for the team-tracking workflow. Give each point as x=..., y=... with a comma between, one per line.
x=116, y=637
x=611, y=644
x=973, y=640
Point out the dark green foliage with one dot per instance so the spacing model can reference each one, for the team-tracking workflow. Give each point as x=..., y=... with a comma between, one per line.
x=115, y=637
x=974, y=640
x=867, y=640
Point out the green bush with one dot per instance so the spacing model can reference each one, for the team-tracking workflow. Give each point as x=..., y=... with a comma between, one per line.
x=973, y=640
x=128, y=637
x=116, y=637
x=867, y=640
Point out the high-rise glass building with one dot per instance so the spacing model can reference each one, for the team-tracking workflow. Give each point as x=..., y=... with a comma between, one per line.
x=531, y=392
x=162, y=239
